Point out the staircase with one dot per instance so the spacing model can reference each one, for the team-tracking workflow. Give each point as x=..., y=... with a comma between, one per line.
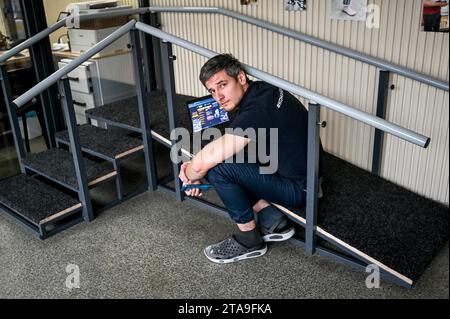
x=46, y=192
x=84, y=156
x=44, y=197
x=52, y=193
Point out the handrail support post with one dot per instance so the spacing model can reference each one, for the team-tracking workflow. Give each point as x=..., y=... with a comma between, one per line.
x=383, y=93
x=157, y=51
x=147, y=49
x=312, y=178
x=169, y=83
x=75, y=147
x=142, y=97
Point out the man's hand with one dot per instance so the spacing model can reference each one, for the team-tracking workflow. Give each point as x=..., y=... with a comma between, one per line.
x=183, y=175
x=195, y=192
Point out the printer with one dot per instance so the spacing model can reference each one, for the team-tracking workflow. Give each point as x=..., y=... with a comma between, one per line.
x=95, y=6
x=90, y=32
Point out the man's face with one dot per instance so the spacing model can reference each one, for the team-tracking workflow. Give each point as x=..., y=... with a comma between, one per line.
x=226, y=90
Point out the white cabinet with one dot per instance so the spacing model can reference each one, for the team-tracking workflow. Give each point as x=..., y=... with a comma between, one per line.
x=80, y=78
x=100, y=81
x=114, y=78
x=107, y=77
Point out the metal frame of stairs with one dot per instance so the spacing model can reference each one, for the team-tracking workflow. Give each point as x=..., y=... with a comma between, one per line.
x=66, y=174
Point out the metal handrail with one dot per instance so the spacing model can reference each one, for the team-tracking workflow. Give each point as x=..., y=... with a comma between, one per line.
x=83, y=17
x=384, y=65
x=356, y=114
x=29, y=42
x=54, y=77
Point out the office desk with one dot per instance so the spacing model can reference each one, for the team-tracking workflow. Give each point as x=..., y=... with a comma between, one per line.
x=18, y=62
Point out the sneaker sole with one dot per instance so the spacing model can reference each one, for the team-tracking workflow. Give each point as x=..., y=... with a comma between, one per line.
x=253, y=254
x=279, y=236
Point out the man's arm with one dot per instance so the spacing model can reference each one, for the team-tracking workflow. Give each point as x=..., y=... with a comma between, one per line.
x=435, y=4
x=213, y=154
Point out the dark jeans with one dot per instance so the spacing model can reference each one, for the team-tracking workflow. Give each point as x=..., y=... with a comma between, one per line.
x=240, y=186
x=432, y=22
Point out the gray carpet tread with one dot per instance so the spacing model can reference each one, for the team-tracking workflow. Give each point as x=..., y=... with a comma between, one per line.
x=35, y=200
x=110, y=143
x=127, y=112
x=58, y=165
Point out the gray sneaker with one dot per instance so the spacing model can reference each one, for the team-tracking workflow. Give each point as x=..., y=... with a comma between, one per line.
x=283, y=230
x=274, y=225
x=230, y=250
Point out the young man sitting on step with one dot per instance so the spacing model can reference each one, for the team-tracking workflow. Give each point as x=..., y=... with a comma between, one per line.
x=245, y=188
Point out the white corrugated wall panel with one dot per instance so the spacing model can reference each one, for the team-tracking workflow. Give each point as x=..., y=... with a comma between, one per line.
x=398, y=40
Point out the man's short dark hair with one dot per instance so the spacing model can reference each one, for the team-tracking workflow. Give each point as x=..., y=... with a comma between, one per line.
x=220, y=62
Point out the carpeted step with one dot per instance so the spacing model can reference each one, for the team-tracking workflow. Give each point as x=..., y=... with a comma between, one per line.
x=110, y=143
x=57, y=164
x=36, y=201
x=126, y=112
